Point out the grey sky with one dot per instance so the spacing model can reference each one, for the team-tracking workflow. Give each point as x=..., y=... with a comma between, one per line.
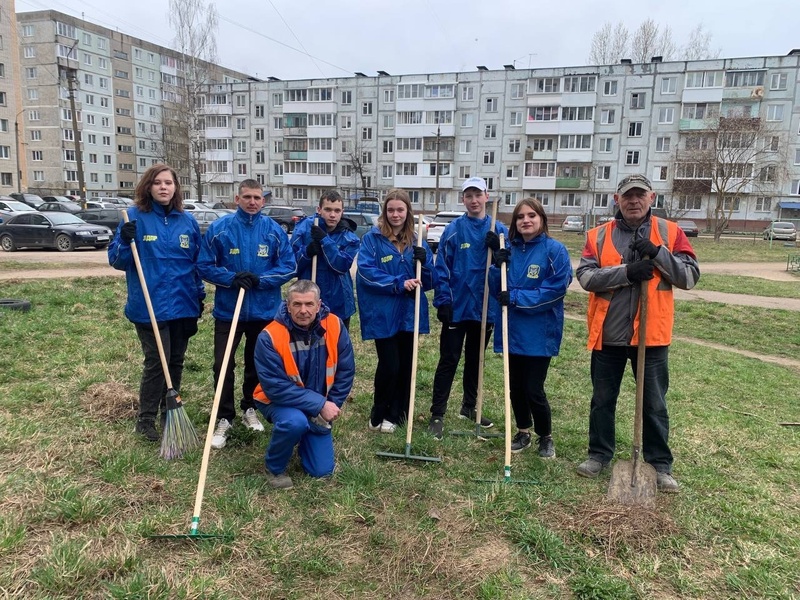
x=421, y=36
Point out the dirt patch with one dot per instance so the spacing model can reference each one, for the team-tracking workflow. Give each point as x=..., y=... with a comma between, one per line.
x=110, y=402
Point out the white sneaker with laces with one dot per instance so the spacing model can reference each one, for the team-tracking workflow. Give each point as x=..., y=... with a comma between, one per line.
x=250, y=420
x=388, y=427
x=221, y=434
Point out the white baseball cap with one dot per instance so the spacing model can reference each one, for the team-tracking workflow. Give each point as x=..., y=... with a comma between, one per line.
x=474, y=182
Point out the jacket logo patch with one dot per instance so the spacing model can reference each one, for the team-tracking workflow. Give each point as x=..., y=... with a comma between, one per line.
x=386, y=259
x=464, y=246
x=184, y=241
x=233, y=251
x=149, y=238
x=533, y=272
x=263, y=250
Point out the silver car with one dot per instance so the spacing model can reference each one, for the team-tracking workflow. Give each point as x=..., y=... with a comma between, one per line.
x=781, y=230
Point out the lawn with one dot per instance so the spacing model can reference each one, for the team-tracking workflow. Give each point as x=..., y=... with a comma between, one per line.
x=81, y=493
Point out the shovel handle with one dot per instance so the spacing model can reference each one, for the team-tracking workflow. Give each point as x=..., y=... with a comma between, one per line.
x=640, y=364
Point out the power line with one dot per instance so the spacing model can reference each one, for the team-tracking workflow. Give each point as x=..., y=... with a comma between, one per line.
x=295, y=37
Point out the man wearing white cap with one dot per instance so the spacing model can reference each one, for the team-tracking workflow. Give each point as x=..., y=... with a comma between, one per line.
x=461, y=270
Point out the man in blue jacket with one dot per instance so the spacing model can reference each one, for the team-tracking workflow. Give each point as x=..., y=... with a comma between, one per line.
x=244, y=250
x=461, y=270
x=306, y=368
x=335, y=246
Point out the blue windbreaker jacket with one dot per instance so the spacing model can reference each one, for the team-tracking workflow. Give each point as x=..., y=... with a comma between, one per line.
x=168, y=247
x=339, y=249
x=244, y=242
x=384, y=308
x=461, y=268
x=539, y=273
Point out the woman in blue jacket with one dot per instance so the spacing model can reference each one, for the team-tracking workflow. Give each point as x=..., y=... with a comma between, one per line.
x=386, y=286
x=168, y=243
x=539, y=273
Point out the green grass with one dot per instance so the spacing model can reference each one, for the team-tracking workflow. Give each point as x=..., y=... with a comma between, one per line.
x=751, y=286
x=80, y=493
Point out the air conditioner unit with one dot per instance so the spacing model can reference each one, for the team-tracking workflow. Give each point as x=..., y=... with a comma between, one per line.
x=758, y=92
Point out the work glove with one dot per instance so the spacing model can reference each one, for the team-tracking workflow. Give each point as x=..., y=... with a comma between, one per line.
x=318, y=233
x=639, y=271
x=245, y=280
x=501, y=256
x=504, y=298
x=128, y=231
x=420, y=255
x=445, y=314
x=492, y=240
x=314, y=248
x=645, y=248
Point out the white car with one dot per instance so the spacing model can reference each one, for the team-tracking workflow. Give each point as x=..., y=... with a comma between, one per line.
x=436, y=227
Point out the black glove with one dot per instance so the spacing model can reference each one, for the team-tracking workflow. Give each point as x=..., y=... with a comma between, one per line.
x=245, y=280
x=445, y=314
x=314, y=248
x=128, y=231
x=645, y=248
x=501, y=256
x=420, y=255
x=492, y=240
x=504, y=298
x=639, y=271
x=318, y=233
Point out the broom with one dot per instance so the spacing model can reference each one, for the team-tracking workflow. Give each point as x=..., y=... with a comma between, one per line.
x=179, y=435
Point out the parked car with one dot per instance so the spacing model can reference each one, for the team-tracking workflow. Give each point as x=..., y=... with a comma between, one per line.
x=781, y=230
x=108, y=217
x=29, y=199
x=115, y=200
x=689, y=227
x=220, y=206
x=436, y=227
x=285, y=216
x=604, y=219
x=58, y=199
x=66, y=206
x=573, y=223
x=363, y=221
x=102, y=204
x=14, y=206
x=62, y=231
x=204, y=218
x=195, y=205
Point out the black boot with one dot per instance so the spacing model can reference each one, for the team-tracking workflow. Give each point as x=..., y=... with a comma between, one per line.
x=148, y=430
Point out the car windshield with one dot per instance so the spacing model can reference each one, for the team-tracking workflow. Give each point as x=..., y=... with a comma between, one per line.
x=446, y=218
x=780, y=225
x=14, y=205
x=65, y=219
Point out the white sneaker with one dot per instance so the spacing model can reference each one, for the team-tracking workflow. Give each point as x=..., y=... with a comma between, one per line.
x=221, y=434
x=250, y=420
x=388, y=427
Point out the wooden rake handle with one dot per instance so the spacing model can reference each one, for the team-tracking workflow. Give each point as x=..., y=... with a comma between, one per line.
x=484, y=315
x=506, y=382
x=415, y=348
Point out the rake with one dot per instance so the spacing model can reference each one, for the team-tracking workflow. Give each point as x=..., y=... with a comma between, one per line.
x=414, y=359
x=178, y=435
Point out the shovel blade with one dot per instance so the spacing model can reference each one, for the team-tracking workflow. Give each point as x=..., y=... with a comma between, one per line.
x=643, y=492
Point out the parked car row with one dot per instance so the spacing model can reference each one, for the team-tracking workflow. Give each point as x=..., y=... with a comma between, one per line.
x=59, y=230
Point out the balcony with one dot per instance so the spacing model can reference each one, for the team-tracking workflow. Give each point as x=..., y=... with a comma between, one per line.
x=571, y=183
x=697, y=124
x=295, y=155
x=295, y=132
x=444, y=155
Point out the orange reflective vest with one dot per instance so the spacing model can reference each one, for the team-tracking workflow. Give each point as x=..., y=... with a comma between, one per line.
x=661, y=306
x=281, y=341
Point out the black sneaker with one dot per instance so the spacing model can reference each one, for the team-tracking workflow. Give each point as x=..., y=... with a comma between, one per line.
x=521, y=441
x=436, y=427
x=148, y=430
x=546, y=447
x=470, y=413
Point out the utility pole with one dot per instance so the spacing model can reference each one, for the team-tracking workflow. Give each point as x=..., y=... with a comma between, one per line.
x=76, y=134
x=438, y=167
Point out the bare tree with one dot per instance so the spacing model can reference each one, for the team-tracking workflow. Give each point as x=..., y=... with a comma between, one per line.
x=699, y=45
x=732, y=159
x=650, y=40
x=356, y=157
x=609, y=44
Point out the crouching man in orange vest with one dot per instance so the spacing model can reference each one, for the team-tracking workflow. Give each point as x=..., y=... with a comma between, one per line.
x=618, y=257
x=305, y=366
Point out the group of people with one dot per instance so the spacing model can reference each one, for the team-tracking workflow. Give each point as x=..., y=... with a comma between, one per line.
x=299, y=364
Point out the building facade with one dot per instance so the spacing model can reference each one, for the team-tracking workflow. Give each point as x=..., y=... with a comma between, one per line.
x=11, y=163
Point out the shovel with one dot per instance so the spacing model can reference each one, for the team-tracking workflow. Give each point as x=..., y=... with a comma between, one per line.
x=634, y=481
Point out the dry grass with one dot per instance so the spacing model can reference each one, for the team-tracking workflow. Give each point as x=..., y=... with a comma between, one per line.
x=110, y=402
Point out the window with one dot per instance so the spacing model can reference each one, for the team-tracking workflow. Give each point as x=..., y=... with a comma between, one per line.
x=511, y=198
x=103, y=82
x=366, y=108
x=775, y=112
x=577, y=113
x=366, y=158
x=512, y=172
x=601, y=200
x=540, y=169
x=699, y=79
x=490, y=132
x=517, y=91
x=547, y=85
x=489, y=183
x=259, y=111
x=406, y=168
x=241, y=123
x=320, y=94
x=632, y=157
x=668, y=85
x=260, y=157
x=388, y=121
x=662, y=144
x=464, y=172
x=609, y=88
x=38, y=175
x=515, y=118
x=33, y=115
x=543, y=113
x=104, y=101
x=102, y=64
x=439, y=117
x=29, y=52
x=277, y=146
x=744, y=78
x=36, y=135
x=93, y=158
x=582, y=83
x=638, y=99
x=347, y=170
x=412, y=117
x=491, y=105
x=387, y=171
x=277, y=124
x=488, y=157
x=320, y=119
x=571, y=199
x=700, y=110
x=88, y=79
x=443, y=169
x=797, y=156
x=607, y=116
x=514, y=146
x=778, y=81
x=33, y=94
x=467, y=93
x=28, y=31
x=795, y=189
x=241, y=147
x=92, y=138
x=542, y=144
x=409, y=143
x=388, y=96
x=346, y=121
x=575, y=142
x=37, y=155
x=366, y=133
x=30, y=73
x=347, y=97
x=388, y=146
x=467, y=119
x=660, y=173
x=603, y=173
x=465, y=146
x=772, y=143
x=763, y=204
x=122, y=74
x=409, y=90
x=635, y=129
x=106, y=159
x=666, y=115
x=730, y=204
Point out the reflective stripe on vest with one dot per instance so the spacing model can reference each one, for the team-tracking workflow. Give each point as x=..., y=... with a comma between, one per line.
x=661, y=307
x=284, y=346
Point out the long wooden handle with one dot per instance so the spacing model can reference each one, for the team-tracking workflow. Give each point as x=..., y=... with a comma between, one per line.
x=415, y=350
x=162, y=355
x=506, y=382
x=484, y=315
x=314, y=258
x=201, y=484
x=641, y=350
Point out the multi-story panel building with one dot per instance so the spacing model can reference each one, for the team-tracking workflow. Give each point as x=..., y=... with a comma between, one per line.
x=12, y=140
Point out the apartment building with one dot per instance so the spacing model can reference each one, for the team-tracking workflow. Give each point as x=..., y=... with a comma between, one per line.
x=10, y=162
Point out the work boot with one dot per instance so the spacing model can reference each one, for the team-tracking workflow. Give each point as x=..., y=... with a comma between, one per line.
x=590, y=468
x=470, y=413
x=546, y=447
x=280, y=482
x=667, y=483
x=436, y=427
x=148, y=430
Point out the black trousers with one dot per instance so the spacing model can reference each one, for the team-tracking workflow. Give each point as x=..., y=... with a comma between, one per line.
x=393, y=378
x=250, y=330
x=451, y=343
x=528, y=399
x=153, y=388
